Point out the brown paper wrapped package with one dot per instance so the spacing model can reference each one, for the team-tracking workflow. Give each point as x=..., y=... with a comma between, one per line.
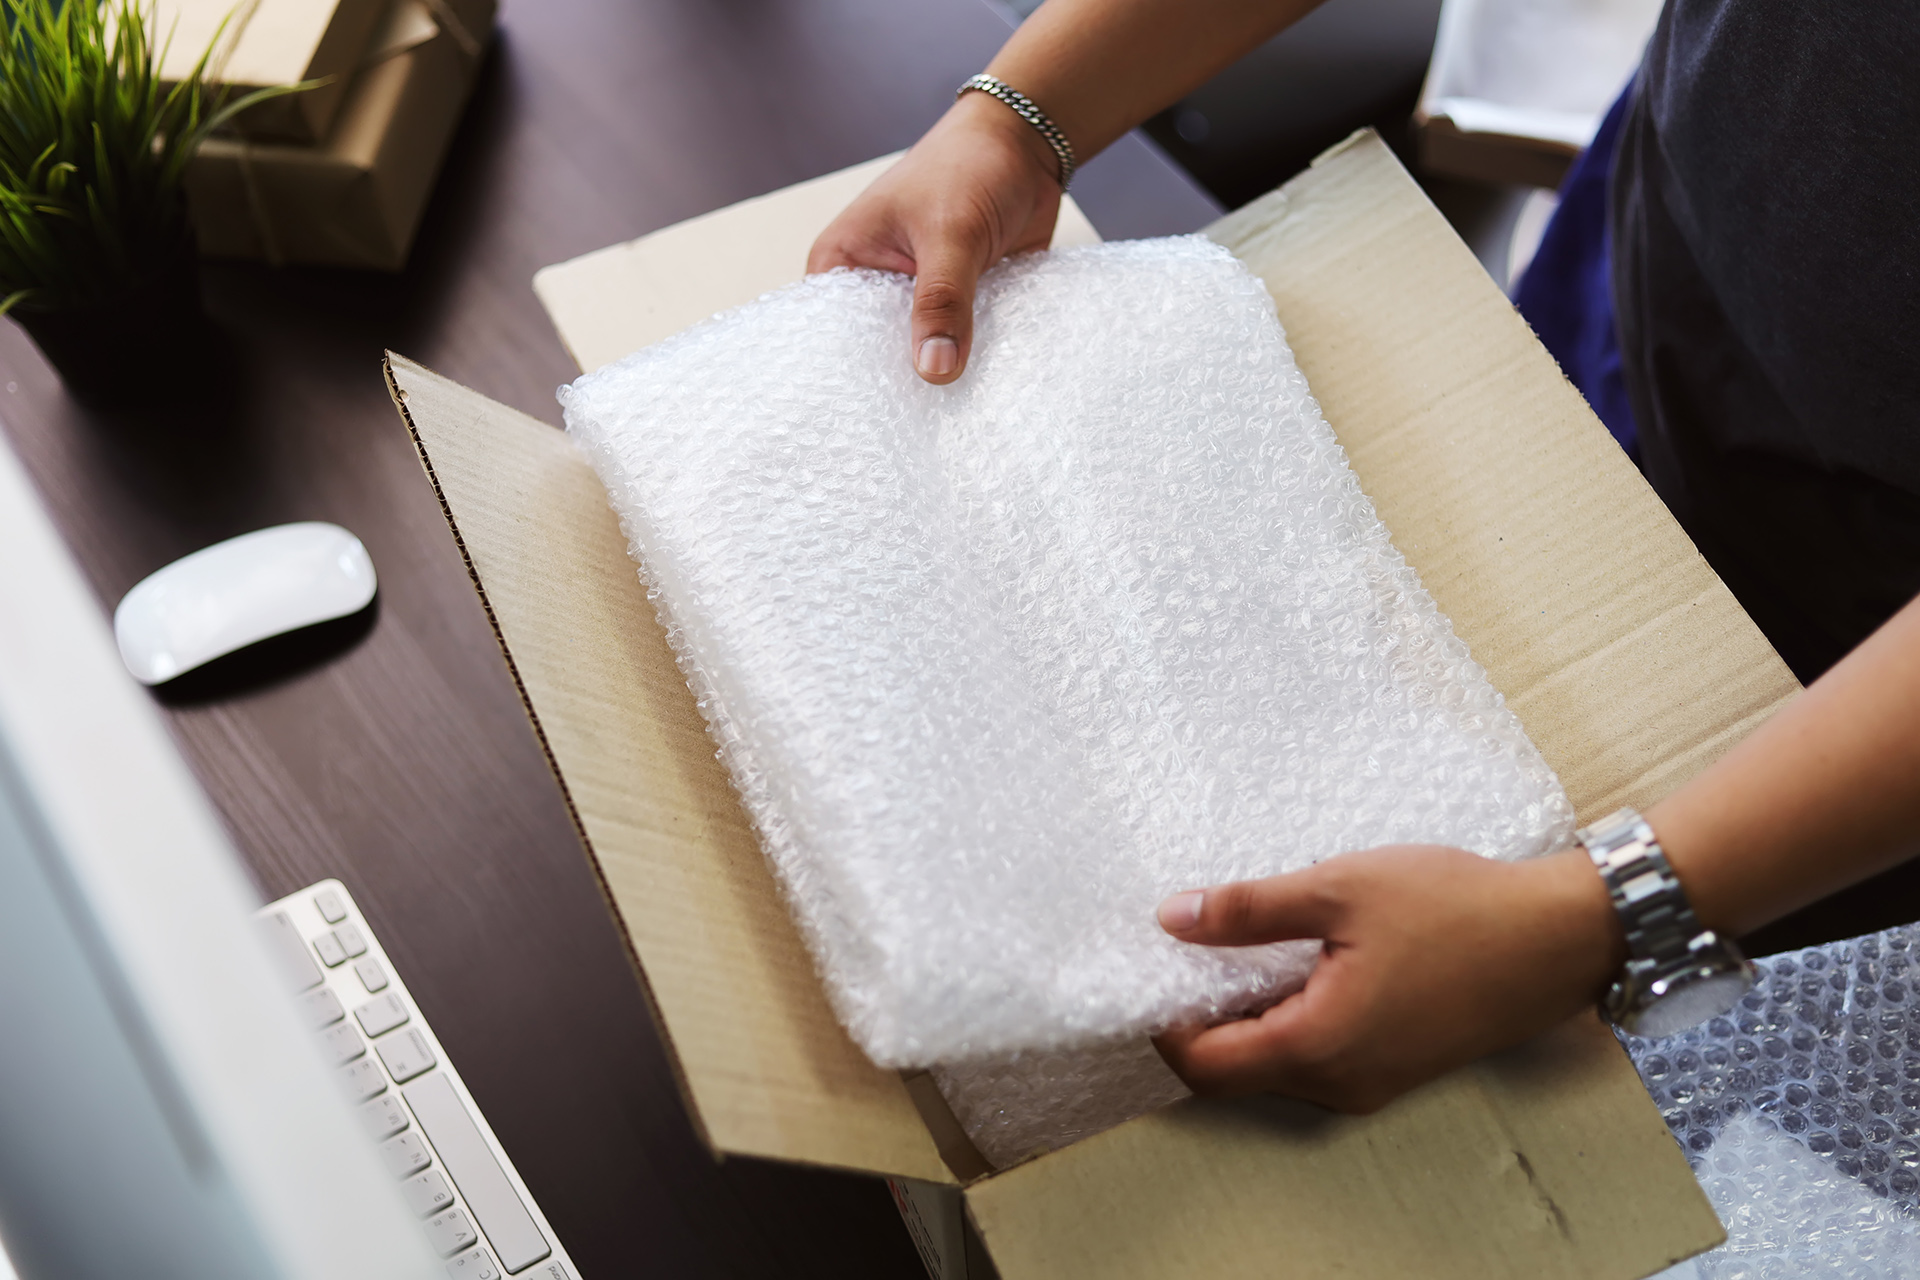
x=267, y=43
x=356, y=199
x=1628, y=661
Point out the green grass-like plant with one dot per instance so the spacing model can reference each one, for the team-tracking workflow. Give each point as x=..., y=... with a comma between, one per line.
x=93, y=149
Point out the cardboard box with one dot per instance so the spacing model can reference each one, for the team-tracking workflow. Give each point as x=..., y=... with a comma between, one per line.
x=267, y=43
x=1628, y=661
x=356, y=199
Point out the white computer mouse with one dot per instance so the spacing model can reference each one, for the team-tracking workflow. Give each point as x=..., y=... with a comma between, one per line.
x=227, y=596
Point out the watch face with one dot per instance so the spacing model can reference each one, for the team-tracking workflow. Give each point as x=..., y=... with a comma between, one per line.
x=1689, y=1000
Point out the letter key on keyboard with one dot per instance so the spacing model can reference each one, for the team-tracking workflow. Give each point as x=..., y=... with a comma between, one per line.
x=473, y=1266
x=427, y=1193
x=330, y=951
x=451, y=1232
x=384, y=1117
x=322, y=1008
x=405, y=1155
x=343, y=1044
x=363, y=1079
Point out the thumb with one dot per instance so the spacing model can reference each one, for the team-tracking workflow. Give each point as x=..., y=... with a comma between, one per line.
x=1276, y=909
x=943, y=312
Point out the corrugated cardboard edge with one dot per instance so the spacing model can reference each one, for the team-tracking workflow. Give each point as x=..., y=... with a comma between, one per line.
x=617, y=300
x=763, y=1065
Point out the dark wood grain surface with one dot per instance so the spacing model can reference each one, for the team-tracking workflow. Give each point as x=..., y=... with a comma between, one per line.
x=391, y=750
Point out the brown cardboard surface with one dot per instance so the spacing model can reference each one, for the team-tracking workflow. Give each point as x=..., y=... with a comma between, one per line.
x=356, y=199
x=272, y=42
x=1629, y=662
x=627, y=296
x=1544, y=1163
x=408, y=25
x=766, y=1068
x=1626, y=659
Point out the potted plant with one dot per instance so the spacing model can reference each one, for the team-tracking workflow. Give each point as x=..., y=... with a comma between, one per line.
x=96, y=253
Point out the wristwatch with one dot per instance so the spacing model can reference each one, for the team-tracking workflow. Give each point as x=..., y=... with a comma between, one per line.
x=1677, y=974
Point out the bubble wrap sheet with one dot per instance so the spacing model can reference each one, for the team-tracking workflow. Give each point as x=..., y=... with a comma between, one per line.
x=1801, y=1114
x=998, y=666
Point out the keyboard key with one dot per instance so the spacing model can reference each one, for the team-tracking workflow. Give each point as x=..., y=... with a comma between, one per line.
x=320, y=1008
x=473, y=1266
x=342, y=1043
x=351, y=940
x=450, y=1233
x=406, y=1055
x=548, y=1270
x=406, y=1155
x=428, y=1193
x=468, y=1160
x=372, y=976
x=331, y=952
x=331, y=909
x=363, y=1079
x=384, y=1117
x=284, y=941
x=377, y=1017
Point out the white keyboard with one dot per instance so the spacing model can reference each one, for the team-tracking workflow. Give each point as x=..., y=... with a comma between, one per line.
x=472, y=1205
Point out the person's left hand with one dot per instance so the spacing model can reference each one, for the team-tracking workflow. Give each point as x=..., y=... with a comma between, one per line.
x=1431, y=957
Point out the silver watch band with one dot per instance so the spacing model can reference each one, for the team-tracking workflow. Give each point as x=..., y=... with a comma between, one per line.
x=1653, y=908
x=1025, y=108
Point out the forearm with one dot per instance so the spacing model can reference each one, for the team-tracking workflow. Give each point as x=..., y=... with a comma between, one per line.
x=1823, y=795
x=1100, y=67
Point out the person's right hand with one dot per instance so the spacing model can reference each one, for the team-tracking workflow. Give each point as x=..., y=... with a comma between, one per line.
x=980, y=185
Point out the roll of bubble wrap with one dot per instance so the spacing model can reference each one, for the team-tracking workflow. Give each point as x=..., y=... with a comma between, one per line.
x=997, y=666
x=1800, y=1111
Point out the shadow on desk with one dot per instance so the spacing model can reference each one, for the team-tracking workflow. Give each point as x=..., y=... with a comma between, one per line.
x=266, y=663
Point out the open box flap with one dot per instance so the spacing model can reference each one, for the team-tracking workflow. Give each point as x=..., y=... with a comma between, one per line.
x=765, y=1068
x=1544, y=1163
x=1627, y=659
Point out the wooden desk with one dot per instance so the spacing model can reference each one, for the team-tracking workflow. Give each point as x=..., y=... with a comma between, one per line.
x=399, y=758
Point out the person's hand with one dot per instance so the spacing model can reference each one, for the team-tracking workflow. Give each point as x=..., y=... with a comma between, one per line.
x=1432, y=957
x=980, y=185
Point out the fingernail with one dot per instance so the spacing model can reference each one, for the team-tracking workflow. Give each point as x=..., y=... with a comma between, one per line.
x=938, y=357
x=1182, y=911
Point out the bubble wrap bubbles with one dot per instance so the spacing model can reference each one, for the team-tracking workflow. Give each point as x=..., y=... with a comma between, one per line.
x=1800, y=1111
x=1028, y=1104
x=997, y=666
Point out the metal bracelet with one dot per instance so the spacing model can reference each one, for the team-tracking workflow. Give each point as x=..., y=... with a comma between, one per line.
x=1023, y=106
x=1654, y=912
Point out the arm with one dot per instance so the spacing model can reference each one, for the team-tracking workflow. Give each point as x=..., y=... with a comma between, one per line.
x=983, y=184
x=1434, y=957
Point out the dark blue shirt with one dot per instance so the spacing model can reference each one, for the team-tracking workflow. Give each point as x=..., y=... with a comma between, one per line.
x=1765, y=220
